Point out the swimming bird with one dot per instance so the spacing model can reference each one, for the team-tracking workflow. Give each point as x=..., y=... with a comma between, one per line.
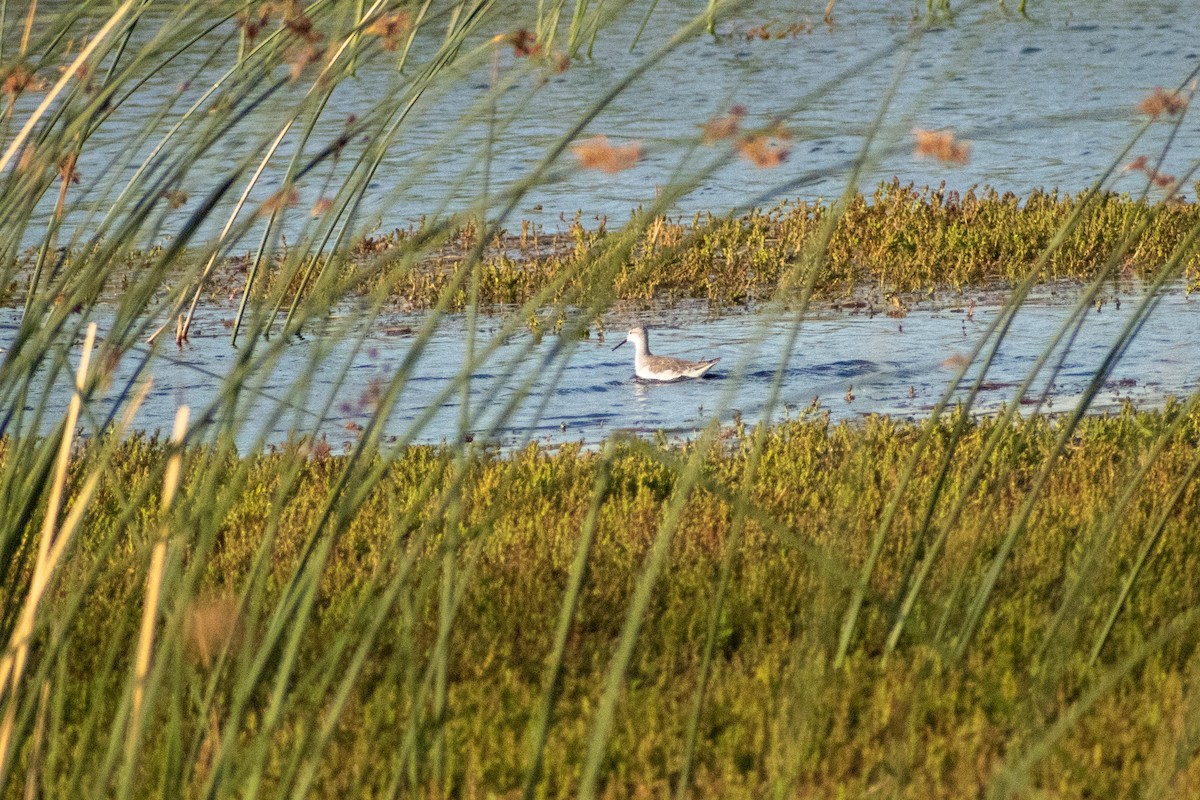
x=649, y=367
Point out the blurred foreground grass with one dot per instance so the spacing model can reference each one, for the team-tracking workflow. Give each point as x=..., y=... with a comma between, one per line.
x=945, y=609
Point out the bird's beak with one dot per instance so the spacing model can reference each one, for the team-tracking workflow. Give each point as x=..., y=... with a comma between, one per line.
x=623, y=341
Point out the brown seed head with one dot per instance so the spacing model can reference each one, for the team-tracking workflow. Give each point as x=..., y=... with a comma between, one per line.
x=301, y=57
x=20, y=79
x=373, y=394
x=82, y=73
x=252, y=23
x=1159, y=179
x=1139, y=164
x=956, y=361
x=597, y=153
x=1162, y=180
x=524, y=43
x=718, y=128
x=175, y=197
x=280, y=200
x=26, y=159
x=725, y=126
x=942, y=145
x=301, y=27
x=66, y=169
x=1160, y=102
x=763, y=150
x=559, y=61
x=321, y=206
x=391, y=28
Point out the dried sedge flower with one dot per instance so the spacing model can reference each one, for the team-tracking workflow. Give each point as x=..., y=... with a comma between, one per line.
x=321, y=450
x=301, y=57
x=211, y=625
x=1160, y=102
x=760, y=32
x=724, y=127
x=252, y=24
x=20, y=79
x=281, y=8
x=1159, y=179
x=718, y=128
x=373, y=394
x=1139, y=164
x=280, y=200
x=66, y=169
x=175, y=197
x=82, y=73
x=340, y=143
x=1162, y=180
x=26, y=159
x=301, y=27
x=942, y=145
x=597, y=153
x=956, y=361
x=524, y=43
x=391, y=28
x=321, y=206
x=763, y=150
x=559, y=61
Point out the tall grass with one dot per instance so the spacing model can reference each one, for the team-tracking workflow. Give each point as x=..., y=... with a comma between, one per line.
x=953, y=607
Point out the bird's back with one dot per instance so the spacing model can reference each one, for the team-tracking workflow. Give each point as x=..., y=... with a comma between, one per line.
x=665, y=368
